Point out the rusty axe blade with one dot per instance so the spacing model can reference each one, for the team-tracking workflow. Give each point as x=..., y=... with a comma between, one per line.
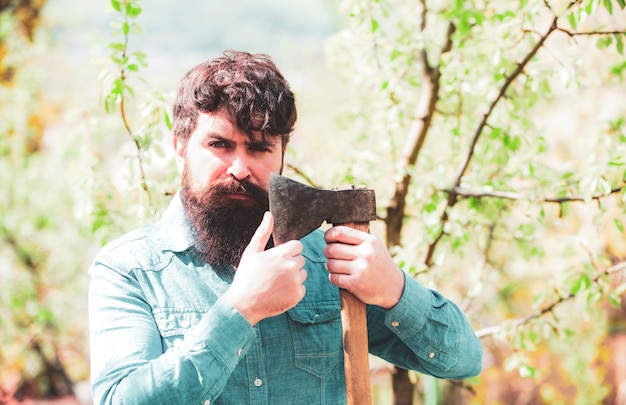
x=299, y=209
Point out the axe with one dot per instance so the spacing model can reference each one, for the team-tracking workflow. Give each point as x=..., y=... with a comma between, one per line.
x=298, y=210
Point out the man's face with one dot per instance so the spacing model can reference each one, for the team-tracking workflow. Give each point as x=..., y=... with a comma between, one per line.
x=217, y=150
x=226, y=179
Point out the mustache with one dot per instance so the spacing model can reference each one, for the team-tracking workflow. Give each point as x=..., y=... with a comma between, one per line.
x=243, y=187
x=230, y=186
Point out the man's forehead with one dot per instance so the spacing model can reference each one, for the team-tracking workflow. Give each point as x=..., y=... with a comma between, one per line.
x=221, y=126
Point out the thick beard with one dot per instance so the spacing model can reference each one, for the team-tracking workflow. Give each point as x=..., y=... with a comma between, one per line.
x=223, y=226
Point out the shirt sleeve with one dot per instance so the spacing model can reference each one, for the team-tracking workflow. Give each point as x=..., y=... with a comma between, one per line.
x=425, y=332
x=128, y=364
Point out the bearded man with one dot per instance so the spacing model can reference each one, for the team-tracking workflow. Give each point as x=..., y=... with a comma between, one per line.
x=200, y=307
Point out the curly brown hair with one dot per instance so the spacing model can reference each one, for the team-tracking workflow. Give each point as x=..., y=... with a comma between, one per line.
x=248, y=86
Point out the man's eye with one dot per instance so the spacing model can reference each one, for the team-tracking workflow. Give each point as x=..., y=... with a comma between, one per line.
x=217, y=144
x=260, y=148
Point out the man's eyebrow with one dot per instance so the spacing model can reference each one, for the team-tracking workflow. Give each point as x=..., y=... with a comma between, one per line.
x=221, y=139
x=261, y=143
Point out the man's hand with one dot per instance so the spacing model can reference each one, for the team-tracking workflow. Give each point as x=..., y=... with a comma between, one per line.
x=267, y=282
x=360, y=263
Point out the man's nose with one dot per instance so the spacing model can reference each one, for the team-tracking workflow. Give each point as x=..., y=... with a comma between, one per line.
x=239, y=167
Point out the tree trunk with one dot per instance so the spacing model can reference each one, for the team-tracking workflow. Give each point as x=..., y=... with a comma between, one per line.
x=403, y=388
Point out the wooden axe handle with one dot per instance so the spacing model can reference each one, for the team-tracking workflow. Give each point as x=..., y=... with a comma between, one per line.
x=355, y=345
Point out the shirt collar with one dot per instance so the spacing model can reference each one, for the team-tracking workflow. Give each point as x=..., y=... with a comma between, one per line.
x=176, y=231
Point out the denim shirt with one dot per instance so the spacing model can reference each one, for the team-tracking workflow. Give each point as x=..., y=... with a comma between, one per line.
x=160, y=334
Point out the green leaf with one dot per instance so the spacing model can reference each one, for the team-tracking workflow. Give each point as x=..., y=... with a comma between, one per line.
x=374, y=25
x=616, y=160
x=609, y=6
x=619, y=44
x=465, y=24
x=141, y=58
x=513, y=143
x=604, y=42
x=503, y=16
x=167, y=120
x=572, y=20
x=496, y=133
x=622, y=3
x=617, y=70
x=100, y=220
x=129, y=90
x=617, y=125
x=431, y=206
x=604, y=187
x=118, y=46
x=117, y=5
x=544, y=86
x=533, y=336
x=119, y=61
x=118, y=86
x=125, y=28
x=526, y=371
x=132, y=10
x=618, y=224
x=433, y=232
x=582, y=283
x=43, y=316
x=614, y=299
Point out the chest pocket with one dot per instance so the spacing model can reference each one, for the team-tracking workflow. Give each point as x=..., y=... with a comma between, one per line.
x=174, y=323
x=316, y=333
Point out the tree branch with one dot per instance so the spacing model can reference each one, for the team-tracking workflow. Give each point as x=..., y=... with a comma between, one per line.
x=452, y=196
x=548, y=309
x=302, y=174
x=138, y=147
x=417, y=135
x=590, y=33
x=506, y=195
x=139, y=155
x=129, y=131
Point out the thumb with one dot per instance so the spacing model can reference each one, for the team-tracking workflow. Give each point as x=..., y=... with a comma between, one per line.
x=262, y=235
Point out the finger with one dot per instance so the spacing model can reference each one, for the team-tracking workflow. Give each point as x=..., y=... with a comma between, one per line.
x=294, y=263
x=261, y=235
x=340, y=280
x=299, y=261
x=338, y=266
x=290, y=249
x=340, y=251
x=344, y=234
x=303, y=275
x=302, y=292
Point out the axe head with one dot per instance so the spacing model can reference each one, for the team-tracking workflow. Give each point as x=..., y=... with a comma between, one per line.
x=299, y=209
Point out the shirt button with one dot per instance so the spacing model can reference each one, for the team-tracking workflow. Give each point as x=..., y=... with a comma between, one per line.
x=207, y=402
x=395, y=324
x=258, y=382
x=431, y=355
x=239, y=352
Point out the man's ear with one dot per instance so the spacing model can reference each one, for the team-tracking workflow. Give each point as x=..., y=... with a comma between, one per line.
x=179, y=148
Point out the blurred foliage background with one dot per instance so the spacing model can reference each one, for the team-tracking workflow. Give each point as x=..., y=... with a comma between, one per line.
x=493, y=133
